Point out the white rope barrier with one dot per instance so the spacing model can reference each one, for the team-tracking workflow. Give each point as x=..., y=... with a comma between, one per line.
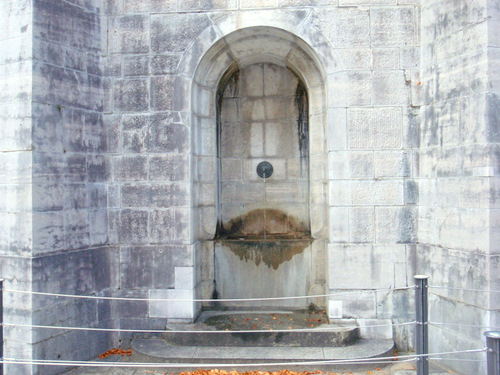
x=385, y=360
x=464, y=289
x=464, y=325
x=202, y=300
x=319, y=329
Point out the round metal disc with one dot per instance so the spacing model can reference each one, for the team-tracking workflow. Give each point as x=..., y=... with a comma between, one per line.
x=265, y=169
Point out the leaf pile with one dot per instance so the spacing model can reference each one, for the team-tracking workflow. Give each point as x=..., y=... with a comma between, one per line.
x=116, y=351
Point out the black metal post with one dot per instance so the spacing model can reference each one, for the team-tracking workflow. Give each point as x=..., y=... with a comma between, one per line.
x=422, y=317
x=1, y=326
x=493, y=352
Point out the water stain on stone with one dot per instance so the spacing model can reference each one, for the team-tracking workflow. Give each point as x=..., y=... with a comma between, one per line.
x=272, y=253
x=264, y=223
x=265, y=235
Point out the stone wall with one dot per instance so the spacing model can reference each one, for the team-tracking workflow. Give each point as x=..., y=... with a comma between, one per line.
x=458, y=170
x=15, y=172
x=70, y=173
x=108, y=148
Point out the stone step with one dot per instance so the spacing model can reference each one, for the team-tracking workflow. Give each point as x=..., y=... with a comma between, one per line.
x=212, y=330
x=333, y=336
x=246, y=358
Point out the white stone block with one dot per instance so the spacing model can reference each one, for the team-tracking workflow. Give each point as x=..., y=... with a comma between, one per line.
x=337, y=129
x=178, y=307
x=340, y=193
x=334, y=309
x=367, y=331
x=381, y=192
x=361, y=164
x=339, y=224
x=337, y=165
x=391, y=164
x=184, y=278
x=373, y=128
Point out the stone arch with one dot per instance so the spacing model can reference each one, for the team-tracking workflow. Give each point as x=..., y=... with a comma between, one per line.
x=244, y=47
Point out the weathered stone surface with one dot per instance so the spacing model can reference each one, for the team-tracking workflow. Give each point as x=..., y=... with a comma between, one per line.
x=146, y=6
x=129, y=34
x=393, y=26
x=344, y=27
x=174, y=32
x=410, y=115
x=131, y=95
x=374, y=128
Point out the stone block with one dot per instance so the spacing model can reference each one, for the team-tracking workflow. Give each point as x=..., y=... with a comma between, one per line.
x=374, y=265
x=130, y=168
x=344, y=27
x=113, y=226
x=150, y=6
x=164, y=64
x=129, y=34
x=337, y=129
x=335, y=309
x=337, y=90
x=411, y=128
x=177, y=304
x=381, y=192
x=374, y=128
x=162, y=92
x=136, y=65
x=45, y=197
x=48, y=232
x=355, y=59
x=17, y=229
x=359, y=86
x=361, y=224
x=391, y=164
x=356, y=304
x=175, y=32
x=131, y=95
x=77, y=230
x=409, y=57
x=169, y=167
x=393, y=26
x=137, y=264
x=184, y=278
x=339, y=193
x=15, y=134
x=375, y=329
x=386, y=58
x=360, y=165
x=66, y=24
x=162, y=226
x=166, y=133
x=337, y=165
x=411, y=192
x=390, y=88
x=97, y=168
x=97, y=196
x=76, y=196
x=133, y=226
x=113, y=129
x=47, y=128
x=98, y=226
x=396, y=224
x=113, y=196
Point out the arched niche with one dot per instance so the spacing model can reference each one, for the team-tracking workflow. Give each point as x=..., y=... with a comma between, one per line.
x=241, y=49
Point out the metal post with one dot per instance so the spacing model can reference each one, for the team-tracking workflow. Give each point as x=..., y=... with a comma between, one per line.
x=422, y=317
x=1, y=326
x=493, y=353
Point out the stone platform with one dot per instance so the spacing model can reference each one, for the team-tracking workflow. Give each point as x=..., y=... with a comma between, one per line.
x=227, y=338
